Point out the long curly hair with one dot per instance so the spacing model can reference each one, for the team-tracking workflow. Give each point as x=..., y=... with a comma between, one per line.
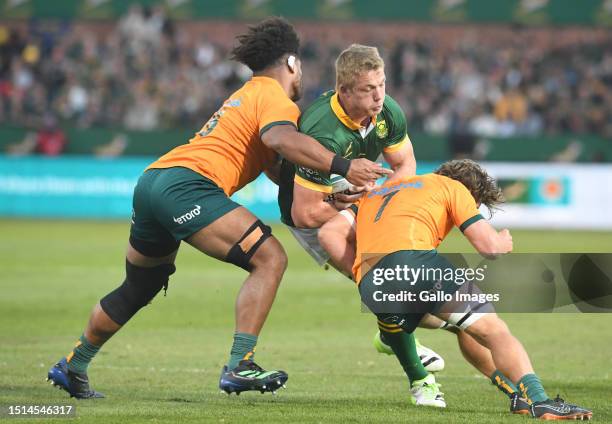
x=483, y=187
x=265, y=43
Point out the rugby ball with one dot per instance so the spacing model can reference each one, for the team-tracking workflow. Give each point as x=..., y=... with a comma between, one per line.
x=340, y=184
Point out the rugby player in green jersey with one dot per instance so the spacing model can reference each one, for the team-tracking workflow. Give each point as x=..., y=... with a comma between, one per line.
x=358, y=120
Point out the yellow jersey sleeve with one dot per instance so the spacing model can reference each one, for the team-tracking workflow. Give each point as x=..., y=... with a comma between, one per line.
x=275, y=108
x=398, y=145
x=463, y=208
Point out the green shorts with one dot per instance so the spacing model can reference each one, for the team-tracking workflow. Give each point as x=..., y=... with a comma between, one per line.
x=396, y=297
x=171, y=204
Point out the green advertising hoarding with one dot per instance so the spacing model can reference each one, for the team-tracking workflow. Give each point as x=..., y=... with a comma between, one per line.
x=527, y=12
x=583, y=148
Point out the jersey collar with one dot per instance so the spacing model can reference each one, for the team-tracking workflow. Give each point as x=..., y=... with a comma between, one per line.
x=343, y=117
x=268, y=80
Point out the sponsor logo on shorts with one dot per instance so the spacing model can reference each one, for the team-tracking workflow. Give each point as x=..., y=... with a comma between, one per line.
x=188, y=216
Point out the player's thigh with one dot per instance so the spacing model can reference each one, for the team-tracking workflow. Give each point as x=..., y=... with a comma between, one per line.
x=177, y=204
x=150, y=243
x=237, y=228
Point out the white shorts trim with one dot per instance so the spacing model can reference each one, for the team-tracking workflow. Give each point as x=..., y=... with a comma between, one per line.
x=465, y=318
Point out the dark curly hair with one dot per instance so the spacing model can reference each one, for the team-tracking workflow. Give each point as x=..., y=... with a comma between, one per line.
x=482, y=186
x=265, y=43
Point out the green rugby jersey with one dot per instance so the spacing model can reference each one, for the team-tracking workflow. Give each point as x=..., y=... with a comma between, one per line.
x=326, y=121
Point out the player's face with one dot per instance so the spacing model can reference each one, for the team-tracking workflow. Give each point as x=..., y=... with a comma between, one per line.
x=368, y=93
x=297, y=82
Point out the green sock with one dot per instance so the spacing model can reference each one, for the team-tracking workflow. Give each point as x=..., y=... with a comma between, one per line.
x=243, y=348
x=531, y=388
x=503, y=383
x=81, y=355
x=404, y=347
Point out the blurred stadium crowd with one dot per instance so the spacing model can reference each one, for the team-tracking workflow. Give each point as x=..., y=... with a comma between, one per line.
x=149, y=72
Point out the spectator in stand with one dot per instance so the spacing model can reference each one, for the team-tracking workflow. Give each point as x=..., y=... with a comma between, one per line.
x=49, y=140
x=506, y=82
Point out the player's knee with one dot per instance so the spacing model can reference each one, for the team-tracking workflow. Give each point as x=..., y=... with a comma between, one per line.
x=271, y=258
x=140, y=286
x=498, y=328
x=283, y=260
x=489, y=328
x=491, y=323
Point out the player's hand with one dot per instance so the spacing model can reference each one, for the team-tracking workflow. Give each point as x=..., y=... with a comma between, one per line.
x=363, y=172
x=340, y=205
x=368, y=187
x=506, y=241
x=348, y=198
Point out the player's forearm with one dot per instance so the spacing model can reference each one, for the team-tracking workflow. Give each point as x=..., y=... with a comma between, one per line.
x=487, y=241
x=491, y=245
x=488, y=249
x=305, y=151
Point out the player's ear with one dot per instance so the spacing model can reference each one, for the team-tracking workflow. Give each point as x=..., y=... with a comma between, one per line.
x=291, y=63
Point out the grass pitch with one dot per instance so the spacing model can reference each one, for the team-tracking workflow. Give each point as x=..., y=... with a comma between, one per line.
x=164, y=366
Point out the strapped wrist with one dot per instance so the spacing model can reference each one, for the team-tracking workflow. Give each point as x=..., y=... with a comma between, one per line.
x=340, y=166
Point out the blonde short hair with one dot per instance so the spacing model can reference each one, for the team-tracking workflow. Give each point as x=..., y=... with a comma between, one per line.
x=353, y=61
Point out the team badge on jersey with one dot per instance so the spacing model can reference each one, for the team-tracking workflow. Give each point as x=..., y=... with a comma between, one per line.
x=381, y=129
